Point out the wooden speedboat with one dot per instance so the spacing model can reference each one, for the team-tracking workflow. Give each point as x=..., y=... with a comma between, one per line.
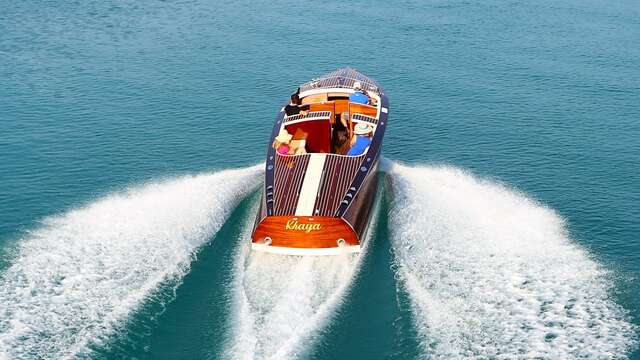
x=321, y=170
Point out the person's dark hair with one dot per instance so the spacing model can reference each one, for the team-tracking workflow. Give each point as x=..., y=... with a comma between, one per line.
x=295, y=97
x=340, y=138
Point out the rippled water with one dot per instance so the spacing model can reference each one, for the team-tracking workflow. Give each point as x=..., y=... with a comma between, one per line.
x=120, y=237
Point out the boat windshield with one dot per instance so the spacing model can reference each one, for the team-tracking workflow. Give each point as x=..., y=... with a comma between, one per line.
x=342, y=78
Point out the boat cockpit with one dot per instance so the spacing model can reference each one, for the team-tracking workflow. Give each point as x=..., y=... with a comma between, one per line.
x=332, y=122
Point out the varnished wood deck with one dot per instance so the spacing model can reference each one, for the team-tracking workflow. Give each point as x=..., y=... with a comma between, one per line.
x=304, y=232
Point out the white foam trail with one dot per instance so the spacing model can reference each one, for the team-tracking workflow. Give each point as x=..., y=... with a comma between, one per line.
x=283, y=298
x=492, y=274
x=282, y=301
x=79, y=275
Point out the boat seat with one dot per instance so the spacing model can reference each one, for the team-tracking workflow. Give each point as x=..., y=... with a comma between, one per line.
x=316, y=133
x=323, y=106
x=355, y=108
x=316, y=98
x=341, y=106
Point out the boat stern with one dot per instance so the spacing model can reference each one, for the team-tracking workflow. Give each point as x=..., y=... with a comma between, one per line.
x=304, y=235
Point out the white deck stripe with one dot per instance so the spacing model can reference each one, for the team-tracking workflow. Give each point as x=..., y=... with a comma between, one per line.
x=310, y=184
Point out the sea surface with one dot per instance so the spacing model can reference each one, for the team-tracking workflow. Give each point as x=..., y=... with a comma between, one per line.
x=132, y=138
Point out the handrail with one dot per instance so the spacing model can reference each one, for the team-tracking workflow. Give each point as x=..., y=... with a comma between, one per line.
x=314, y=115
x=327, y=154
x=364, y=118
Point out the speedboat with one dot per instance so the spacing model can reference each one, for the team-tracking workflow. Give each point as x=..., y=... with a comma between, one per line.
x=321, y=174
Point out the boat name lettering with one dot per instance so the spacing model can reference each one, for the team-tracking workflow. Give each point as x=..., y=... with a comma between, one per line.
x=308, y=227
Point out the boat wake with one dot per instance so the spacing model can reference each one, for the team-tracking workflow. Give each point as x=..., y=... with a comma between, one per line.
x=489, y=273
x=76, y=278
x=282, y=302
x=492, y=274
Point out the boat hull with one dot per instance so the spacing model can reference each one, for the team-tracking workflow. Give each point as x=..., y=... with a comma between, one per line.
x=318, y=235
x=319, y=201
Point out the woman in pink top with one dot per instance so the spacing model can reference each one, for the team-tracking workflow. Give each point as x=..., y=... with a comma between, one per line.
x=283, y=149
x=281, y=142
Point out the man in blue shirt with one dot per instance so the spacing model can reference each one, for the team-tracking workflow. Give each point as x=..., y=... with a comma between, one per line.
x=362, y=139
x=358, y=95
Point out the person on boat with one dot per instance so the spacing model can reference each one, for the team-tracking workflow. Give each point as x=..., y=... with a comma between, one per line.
x=340, y=138
x=281, y=142
x=295, y=106
x=299, y=149
x=360, y=95
x=361, y=140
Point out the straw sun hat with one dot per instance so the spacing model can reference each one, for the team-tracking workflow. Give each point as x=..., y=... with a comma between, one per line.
x=362, y=129
x=284, y=136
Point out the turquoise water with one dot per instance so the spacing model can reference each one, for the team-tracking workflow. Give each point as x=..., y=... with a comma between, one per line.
x=507, y=226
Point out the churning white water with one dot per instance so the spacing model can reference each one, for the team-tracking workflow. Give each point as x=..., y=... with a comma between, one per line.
x=490, y=273
x=281, y=302
x=80, y=274
x=493, y=274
